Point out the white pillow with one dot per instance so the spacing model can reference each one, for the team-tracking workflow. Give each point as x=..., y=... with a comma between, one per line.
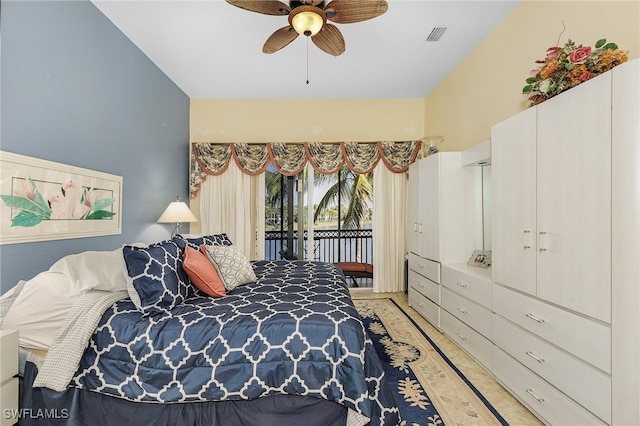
x=94, y=270
x=40, y=309
x=233, y=267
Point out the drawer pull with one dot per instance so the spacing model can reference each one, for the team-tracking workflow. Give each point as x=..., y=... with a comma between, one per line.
x=463, y=285
x=533, y=394
x=535, y=318
x=421, y=304
x=532, y=355
x=461, y=309
x=461, y=336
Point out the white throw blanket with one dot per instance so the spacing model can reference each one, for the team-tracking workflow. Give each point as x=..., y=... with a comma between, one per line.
x=63, y=357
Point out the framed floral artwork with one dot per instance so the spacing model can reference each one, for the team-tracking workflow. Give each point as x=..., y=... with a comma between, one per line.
x=42, y=200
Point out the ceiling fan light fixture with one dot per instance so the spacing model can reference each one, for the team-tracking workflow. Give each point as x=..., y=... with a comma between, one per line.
x=307, y=20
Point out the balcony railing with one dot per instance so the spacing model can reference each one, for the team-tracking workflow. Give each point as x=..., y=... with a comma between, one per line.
x=330, y=245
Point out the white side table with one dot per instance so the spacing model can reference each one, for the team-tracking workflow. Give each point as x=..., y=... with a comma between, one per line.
x=8, y=381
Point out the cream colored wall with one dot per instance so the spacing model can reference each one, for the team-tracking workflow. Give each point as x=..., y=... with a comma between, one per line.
x=306, y=120
x=486, y=87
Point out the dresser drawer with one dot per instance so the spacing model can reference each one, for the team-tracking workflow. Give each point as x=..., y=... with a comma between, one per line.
x=472, y=283
x=542, y=398
x=425, y=267
x=425, y=307
x=8, y=354
x=424, y=286
x=584, y=383
x=8, y=402
x=583, y=337
x=467, y=338
x=475, y=316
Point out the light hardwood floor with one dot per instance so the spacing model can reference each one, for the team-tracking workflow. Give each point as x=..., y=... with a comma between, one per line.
x=509, y=407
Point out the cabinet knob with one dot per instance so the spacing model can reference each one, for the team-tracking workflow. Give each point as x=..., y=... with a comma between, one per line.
x=463, y=310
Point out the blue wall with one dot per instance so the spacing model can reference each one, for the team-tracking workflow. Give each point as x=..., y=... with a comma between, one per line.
x=75, y=90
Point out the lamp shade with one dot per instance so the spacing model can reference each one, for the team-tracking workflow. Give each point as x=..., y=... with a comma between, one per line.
x=176, y=212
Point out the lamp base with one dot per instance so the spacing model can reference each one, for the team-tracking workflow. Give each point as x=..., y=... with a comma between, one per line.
x=176, y=229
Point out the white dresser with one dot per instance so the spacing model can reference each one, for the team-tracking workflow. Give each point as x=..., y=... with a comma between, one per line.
x=8, y=381
x=566, y=250
x=424, y=287
x=466, y=309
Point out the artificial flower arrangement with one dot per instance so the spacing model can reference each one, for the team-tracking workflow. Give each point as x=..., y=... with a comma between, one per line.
x=568, y=66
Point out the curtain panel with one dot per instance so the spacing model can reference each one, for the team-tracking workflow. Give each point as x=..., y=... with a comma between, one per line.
x=212, y=159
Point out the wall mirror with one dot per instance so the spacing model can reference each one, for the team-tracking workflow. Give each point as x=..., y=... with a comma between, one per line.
x=479, y=156
x=486, y=207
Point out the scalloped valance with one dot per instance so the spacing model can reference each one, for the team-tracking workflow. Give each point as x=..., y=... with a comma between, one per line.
x=290, y=158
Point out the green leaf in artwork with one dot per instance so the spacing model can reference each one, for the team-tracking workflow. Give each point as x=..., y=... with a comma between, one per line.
x=27, y=205
x=527, y=89
x=611, y=46
x=26, y=219
x=530, y=80
x=101, y=204
x=101, y=214
x=600, y=43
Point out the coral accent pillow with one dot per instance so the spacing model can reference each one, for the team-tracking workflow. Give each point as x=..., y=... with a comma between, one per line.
x=202, y=273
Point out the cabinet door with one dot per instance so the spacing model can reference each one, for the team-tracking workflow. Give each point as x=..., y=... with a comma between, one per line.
x=430, y=212
x=513, y=184
x=413, y=209
x=574, y=198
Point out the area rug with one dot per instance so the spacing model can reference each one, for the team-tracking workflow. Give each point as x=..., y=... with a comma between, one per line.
x=429, y=389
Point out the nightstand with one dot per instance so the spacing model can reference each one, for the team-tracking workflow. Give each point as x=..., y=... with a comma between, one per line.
x=8, y=381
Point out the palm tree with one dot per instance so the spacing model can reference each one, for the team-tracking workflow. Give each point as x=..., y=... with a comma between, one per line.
x=356, y=190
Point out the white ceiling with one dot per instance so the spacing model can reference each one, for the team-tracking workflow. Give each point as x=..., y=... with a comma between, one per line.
x=211, y=49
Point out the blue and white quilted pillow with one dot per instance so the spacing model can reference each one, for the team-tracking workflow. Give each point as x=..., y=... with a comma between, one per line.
x=207, y=240
x=156, y=281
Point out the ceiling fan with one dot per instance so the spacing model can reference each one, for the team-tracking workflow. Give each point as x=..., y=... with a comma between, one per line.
x=309, y=18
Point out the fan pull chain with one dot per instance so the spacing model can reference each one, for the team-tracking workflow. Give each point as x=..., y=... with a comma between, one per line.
x=307, y=60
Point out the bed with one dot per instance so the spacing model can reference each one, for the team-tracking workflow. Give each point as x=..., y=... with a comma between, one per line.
x=283, y=345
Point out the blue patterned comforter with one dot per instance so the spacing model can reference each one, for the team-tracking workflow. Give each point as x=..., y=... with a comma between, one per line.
x=294, y=331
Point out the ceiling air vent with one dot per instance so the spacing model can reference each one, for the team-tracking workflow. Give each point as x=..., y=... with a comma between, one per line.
x=436, y=33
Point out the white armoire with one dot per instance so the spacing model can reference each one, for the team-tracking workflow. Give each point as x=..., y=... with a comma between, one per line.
x=444, y=225
x=566, y=252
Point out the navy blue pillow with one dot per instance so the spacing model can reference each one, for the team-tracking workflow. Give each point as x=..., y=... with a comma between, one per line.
x=156, y=281
x=207, y=240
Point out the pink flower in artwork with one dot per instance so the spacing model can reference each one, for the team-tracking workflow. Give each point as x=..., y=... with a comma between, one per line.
x=24, y=189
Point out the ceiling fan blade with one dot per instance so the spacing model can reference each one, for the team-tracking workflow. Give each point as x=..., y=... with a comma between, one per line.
x=350, y=11
x=267, y=7
x=279, y=39
x=329, y=40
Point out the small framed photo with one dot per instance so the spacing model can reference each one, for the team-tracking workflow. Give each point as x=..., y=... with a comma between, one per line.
x=480, y=259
